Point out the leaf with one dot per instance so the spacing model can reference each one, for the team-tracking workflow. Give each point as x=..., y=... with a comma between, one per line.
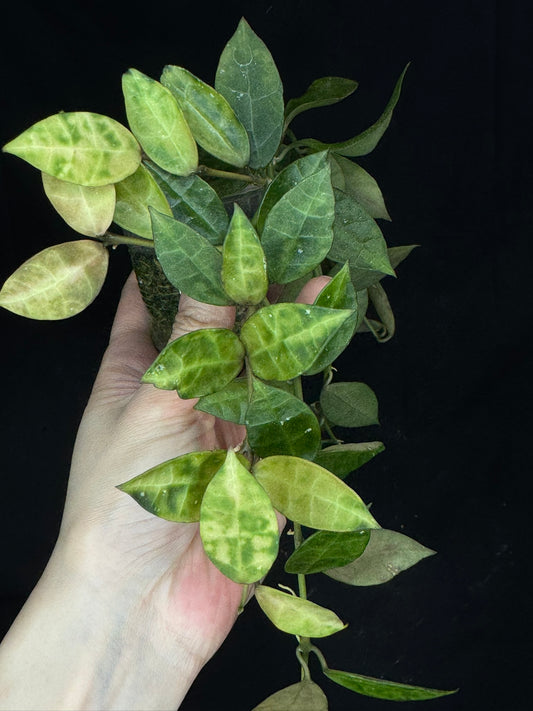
x=135, y=195
x=382, y=689
x=229, y=404
x=380, y=302
x=356, y=182
x=191, y=263
x=303, y=696
x=282, y=340
x=322, y=92
x=249, y=80
x=88, y=210
x=327, y=549
x=211, y=119
x=297, y=234
x=158, y=123
x=198, y=363
x=193, y=202
x=398, y=254
x=58, y=282
x=341, y=459
x=312, y=496
x=295, y=615
x=349, y=404
x=79, y=147
x=387, y=554
x=238, y=525
x=280, y=423
x=243, y=262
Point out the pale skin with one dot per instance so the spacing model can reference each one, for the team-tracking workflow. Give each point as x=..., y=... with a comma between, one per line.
x=129, y=608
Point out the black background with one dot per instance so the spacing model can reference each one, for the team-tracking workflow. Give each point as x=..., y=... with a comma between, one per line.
x=453, y=385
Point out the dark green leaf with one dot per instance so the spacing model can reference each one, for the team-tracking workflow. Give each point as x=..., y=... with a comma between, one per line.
x=135, y=195
x=355, y=181
x=228, y=404
x=380, y=302
x=398, y=254
x=382, y=689
x=327, y=549
x=243, y=262
x=303, y=696
x=341, y=459
x=349, y=404
x=322, y=92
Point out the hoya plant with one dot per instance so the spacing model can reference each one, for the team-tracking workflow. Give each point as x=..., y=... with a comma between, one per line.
x=217, y=198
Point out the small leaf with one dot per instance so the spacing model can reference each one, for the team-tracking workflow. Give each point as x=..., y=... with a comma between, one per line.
x=158, y=123
x=382, y=689
x=356, y=182
x=79, y=147
x=58, y=282
x=238, y=525
x=135, y=195
x=243, y=262
x=398, y=254
x=198, y=363
x=282, y=340
x=312, y=496
x=341, y=459
x=322, y=92
x=327, y=549
x=211, y=119
x=349, y=404
x=303, y=696
x=380, y=302
x=249, y=80
x=387, y=554
x=88, y=210
x=229, y=404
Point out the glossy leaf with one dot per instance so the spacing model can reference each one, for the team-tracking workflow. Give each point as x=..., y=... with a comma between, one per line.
x=398, y=254
x=135, y=195
x=198, y=363
x=244, y=273
x=327, y=549
x=282, y=340
x=383, y=689
x=322, y=92
x=88, y=210
x=238, y=525
x=308, y=494
x=303, y=696
x=381, y=304
x=280, y=423
x=341, y=459
x=79, y=147
x=298, y=230
x=387, y=554
x=229, y=404
x=248, y=78
x=349, y=404
x=58, y=282
x=355, y=181
x=158, y=123
x=211, y=119
x=190, y=262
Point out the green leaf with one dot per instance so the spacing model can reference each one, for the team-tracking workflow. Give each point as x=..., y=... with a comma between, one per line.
x=190, y=262
x=322, y=92
x=282, y=340
x=295, y=615
x=387, y=554
x=356, y=182
x=349, y=404
x=382, y=689
x=249, y=80
x=298, y=229
x=341, y=459
x=327, y=549
x=211, y=119
x=193, y=202
x=174, y=489
x=135, y=195
x=88, y=210
x=198, y=363
x=238, y=525
x=280, y=423
x=58, y=282
x=79, y=147
x=380, y=302
x=158, y=123
x=303, y=696
x=229, y=404
x=312, y=496
x=243, y=262
x=398, y=254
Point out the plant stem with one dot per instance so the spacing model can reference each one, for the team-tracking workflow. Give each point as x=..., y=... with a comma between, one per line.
x=216, y=173
x=111, y=238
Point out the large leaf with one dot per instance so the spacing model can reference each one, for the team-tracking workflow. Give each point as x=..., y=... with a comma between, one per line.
x=383, y=689
x=244, y=272
x=238, y=525
x=229, y=404
x=211, y=119
x=308, y=494
x=387, y=554
x=158, y=123
x=303, y=696
x=190, y=262
x=327, y=549
x=79, y=147
x=58, y=282
x=280, y=423
x=322, y=92
x=135, y=195
x=197, y=363
x=349, y=404
x=295, y=615
x=88, y=210
x=282, y=340
x=355, y=181
x=341, y=459
x=248, y=78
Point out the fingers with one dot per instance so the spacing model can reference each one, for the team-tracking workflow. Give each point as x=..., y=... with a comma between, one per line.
x=193, y=315
x=312, y=289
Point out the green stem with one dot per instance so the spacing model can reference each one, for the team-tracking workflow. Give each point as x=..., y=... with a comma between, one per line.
x=244, y=177
x=111, y=238
x=291, y=147
x=320, y=656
